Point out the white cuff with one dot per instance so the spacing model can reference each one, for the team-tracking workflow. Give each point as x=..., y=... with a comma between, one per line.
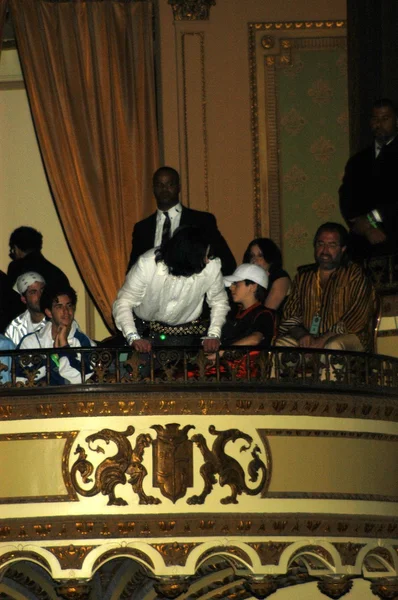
x=132, y=337
x=377, y=216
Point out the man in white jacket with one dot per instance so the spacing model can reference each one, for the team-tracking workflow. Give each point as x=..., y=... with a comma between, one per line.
x=30, y=286
x=61, y=332
x=166, y=289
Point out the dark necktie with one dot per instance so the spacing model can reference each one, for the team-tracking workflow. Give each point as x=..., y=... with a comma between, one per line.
x=166, y=228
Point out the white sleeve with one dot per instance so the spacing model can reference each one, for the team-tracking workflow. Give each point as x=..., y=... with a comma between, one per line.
x=131, y=295
x=217, y=299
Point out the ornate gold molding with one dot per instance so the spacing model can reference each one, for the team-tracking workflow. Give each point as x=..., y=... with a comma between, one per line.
x=191, y=10
x=71, y=557
x=184, y=37
x=173, y=464
x=261, y=400
x=252, y=525
x=174, y=553
x=266, y=177
x=69, y=436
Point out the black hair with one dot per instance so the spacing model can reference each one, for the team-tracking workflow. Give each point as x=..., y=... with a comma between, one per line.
x=169, y=171
x=26, y=239
x=260, y=293
x=385, y=103
x=270, y=251
x=333, y=227
x=51, y=293
x=185, y=252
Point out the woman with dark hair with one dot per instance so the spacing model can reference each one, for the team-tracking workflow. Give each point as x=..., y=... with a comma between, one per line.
x=166, y=289
x=266, y=254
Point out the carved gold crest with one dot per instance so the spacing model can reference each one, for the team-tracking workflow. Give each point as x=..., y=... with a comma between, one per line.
x=173, y=465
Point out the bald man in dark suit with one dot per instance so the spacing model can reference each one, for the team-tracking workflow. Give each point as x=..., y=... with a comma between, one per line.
x=171, y=214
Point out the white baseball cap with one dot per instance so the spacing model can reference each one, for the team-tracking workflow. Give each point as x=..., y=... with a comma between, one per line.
x=25, y=280
x=251, y=272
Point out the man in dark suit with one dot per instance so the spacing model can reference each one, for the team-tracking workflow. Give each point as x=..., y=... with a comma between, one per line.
x=161, y=225
x=368, y=194
x=25, y=253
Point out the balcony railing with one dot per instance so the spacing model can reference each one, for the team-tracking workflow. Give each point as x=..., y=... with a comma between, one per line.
x=276, y=367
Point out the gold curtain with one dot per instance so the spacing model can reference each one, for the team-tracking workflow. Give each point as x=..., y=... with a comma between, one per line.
x=3, y=6
x=88, y=69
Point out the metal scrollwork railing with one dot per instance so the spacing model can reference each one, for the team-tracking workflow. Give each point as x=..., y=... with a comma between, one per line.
x=191, y=366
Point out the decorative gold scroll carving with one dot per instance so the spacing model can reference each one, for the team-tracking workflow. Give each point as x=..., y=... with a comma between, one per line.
x=113, y=470
x=191, y=524
x=174, y=553
x=191, y=10
x=272, y=224
x=229, y=471
x=269, y=552
x=71, y=557
x=69, y=436
x=348, y=552
x=173, y=465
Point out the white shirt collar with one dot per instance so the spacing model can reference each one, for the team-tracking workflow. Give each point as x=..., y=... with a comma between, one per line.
x=172, y=212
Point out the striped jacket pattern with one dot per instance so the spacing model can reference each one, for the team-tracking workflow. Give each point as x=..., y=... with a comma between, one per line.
x=347, y=304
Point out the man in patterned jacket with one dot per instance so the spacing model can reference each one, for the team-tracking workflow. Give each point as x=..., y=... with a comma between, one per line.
x=30, y=286
x=332, y=303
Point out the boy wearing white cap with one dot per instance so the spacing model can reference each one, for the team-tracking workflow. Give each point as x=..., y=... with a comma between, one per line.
x=30, y=286
x=252, y=324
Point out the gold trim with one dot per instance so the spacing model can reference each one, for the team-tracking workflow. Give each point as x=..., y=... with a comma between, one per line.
x=260, y=401
x=387, y=333
x=270, y=223
x=174, y=553
x=70, y=437
x=193, y=525
x=204, y=115
x=297, y=25
x=70, y=556
x=357, y=435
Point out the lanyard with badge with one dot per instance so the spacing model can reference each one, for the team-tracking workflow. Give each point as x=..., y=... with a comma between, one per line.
x=316, y=319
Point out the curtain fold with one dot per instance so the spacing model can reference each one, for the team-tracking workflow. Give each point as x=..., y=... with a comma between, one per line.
x=88, y=68
x=3, y=8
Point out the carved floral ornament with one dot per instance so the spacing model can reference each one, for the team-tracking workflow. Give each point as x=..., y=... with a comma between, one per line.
x=172, y=453
x=191, y=10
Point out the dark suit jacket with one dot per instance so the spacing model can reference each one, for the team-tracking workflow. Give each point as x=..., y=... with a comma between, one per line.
x=35, y=261
x=371, y=183
x=144, y=237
